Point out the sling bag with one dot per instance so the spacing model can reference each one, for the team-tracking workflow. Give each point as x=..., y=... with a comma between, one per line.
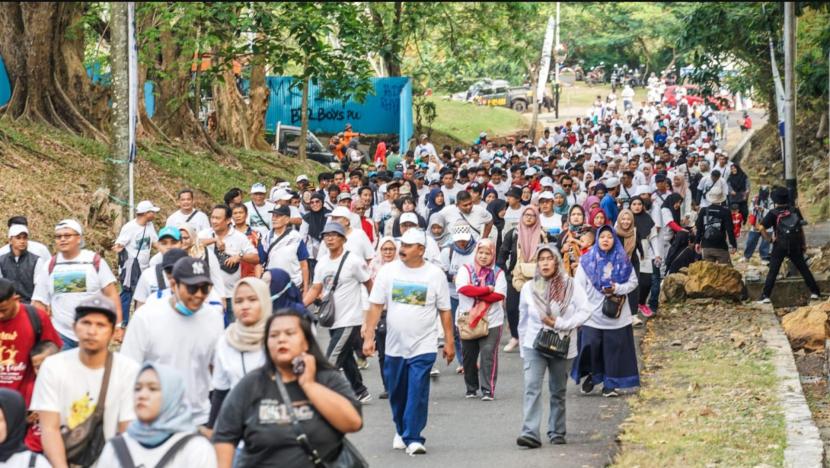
x=325, y=313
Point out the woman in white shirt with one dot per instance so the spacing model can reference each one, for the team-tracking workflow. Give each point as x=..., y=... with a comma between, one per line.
x=481, y=287
x=548, y=304
x=13, y=452
x=163, y=433
x=239, y=350
x=606, y=340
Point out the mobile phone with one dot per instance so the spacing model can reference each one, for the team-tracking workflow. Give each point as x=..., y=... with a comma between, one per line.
x=298, y=366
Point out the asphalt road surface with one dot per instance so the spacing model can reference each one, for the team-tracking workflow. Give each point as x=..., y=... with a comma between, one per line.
x=472, y=433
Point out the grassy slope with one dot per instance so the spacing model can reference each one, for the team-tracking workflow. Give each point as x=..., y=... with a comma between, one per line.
x=464, y=121
x=49, y=175
x=709, y=394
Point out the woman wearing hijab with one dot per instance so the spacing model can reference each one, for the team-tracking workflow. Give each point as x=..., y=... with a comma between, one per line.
x=650, y=247
x=458, y=252
x=590, y=203
x=387, y=253
x=670, y=215
x=517, y=257
x=312, y=228
x=438, y=229
x=560, y=202
x=606, y=340
x=13, y=452
x=597, y=218
x=626, y=230
x=481, y=287
x=239, y=350
x=497, y=209
x=681, y=187
x=435, y=202
x=163, y=427
x=739, y=187
x=572, y=241
x=284, y=294
x=549, y=302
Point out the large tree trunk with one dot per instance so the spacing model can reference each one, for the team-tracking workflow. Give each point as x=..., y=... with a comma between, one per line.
x=239, y=123
x=43, y=51
x=117, y=164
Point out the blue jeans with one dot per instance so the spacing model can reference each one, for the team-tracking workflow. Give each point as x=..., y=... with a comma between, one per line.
x=535, y=365
x=229, y=318
x=752, y=241
x=68, y=343
x=126, y=303
x=654, y=295
x=456, y=335
x=408, y=381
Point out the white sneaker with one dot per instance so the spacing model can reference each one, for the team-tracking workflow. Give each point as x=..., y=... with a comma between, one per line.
x=398, y=443
x=814, y=297
x=434, y=372
x=764, y=300
x=415, y=448
x=511, y=345
x=636, y=321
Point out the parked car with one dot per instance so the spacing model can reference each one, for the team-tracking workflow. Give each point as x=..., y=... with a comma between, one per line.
x=692, y=94
x=517, y=98
x=286, y=140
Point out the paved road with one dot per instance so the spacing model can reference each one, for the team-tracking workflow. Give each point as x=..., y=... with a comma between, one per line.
x=472, y=433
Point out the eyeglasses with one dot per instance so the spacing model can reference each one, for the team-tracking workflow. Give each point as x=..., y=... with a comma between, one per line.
x=65, y=236
x=204, y=288
x=566, y=185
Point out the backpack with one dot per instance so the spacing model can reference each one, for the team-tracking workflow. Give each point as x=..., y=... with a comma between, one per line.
x=122, y=452
x=96, y=263
x=34, y=319
x=712, y=226
x=788, y=225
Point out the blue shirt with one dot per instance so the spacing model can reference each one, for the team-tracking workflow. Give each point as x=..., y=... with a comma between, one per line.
x=609, y=205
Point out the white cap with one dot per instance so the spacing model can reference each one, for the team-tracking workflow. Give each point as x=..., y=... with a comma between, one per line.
x=282, y=195
x=546, y=182
x=301, y=177
x=414, y=236
x=145, y=206
x=69, y=224
x=643, y=190
x=461, y=232
x=612, y=182
x=258, y=188
x=17, y=229
x=408, y=218
x=530, y=172
x=545, y=196
x=340, y=212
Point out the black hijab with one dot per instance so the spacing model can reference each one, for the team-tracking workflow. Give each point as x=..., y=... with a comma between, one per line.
x=669, y=202
x=316, y=219
x=14, y=411
x=494, y=207
x=643, y=222
x=737, y=181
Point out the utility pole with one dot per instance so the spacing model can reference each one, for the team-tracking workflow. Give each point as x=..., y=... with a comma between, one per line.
x=556, y=65
x=790, y=163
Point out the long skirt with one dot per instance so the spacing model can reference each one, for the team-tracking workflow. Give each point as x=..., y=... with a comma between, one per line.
x=608, y=356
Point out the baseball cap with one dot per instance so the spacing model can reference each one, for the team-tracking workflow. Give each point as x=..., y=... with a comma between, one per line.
x=336, y=228
x=408, y=218
x=344, y=196
x=301, y=177
x=414, y=236
x=282, y=195
x=612, y=182
x=17, y=229
x=530, y=172
x=145, y=206
x=461, y=232
x=96, y=304
x=659, y=177
x=171, y=232
x=70, y=224
x=169, y=259
x=340, y=212
x=258, y=188
x=546, y=182
x=281, y=211
x=643, y=190
x=514, y=192
x=545, y=196
x=191, y=271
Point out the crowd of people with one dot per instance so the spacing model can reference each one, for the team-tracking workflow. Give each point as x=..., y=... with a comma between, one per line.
x=562, y=243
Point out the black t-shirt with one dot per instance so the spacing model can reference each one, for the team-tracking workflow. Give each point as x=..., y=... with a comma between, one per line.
x=254, y=412
x=722, y=219
x=771, y=219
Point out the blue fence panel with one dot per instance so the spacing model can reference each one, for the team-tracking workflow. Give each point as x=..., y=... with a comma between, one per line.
x=405, y=118
x=5, y=85
x=379, y=113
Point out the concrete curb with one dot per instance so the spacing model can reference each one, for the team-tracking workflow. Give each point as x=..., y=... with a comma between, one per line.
x=804, y=446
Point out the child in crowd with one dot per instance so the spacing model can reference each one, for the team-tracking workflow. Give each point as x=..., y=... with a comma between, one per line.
x=737, y=219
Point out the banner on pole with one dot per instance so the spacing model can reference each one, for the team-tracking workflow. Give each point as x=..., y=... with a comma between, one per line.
x=544, y=65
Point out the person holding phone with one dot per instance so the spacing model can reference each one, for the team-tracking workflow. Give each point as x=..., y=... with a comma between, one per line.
x=255, y=411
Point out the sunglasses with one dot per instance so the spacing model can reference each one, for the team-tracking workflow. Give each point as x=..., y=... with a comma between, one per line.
x=204, y=288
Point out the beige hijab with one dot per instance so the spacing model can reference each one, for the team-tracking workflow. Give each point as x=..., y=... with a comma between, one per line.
x=249, y=338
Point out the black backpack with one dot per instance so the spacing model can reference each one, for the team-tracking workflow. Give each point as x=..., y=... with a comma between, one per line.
x=788, y=225
x=712, y=226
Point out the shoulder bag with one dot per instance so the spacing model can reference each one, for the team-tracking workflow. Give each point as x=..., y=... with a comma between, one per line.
x=465, y=330
x=222, y=257
x=86, y=441
x=612, y=306
x=550, y=343
x=119, y=445
x=349, y=456
x=325, y=312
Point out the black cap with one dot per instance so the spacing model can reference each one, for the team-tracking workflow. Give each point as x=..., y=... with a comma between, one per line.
x=281, y=211
x=171, y=257
x=514, y=192
x=189, y=270
x=780, y=196
x=96, y=304
x=659, y=177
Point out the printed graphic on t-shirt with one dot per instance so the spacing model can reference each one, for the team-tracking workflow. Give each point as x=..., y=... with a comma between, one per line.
x=79, y=411
x=404, y=292
x=142, y=244
x=274, y=412
x=69, y=282
x=11, y=371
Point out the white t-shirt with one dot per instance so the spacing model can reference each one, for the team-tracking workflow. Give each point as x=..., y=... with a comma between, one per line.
x=357, y=242
x=260, y=219
x=235, y=243
x=71, y=282
x=451, y=263
x=477, y=218
x=285, y=253
x=413, y=297
x=137, y=241
x=495, y=315
x=64, y=385
x=34, y=247
x=348, y=311
x=199, y=221
x=21, y=460
x=230, y=365
x=451, y=193
x=198, y=451
x=511, y=219
x=147, y=285
x=160, y=334
x=552, y=221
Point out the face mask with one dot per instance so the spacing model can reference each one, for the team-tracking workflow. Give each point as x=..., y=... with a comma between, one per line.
x=480, y=180
x=180, y=308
